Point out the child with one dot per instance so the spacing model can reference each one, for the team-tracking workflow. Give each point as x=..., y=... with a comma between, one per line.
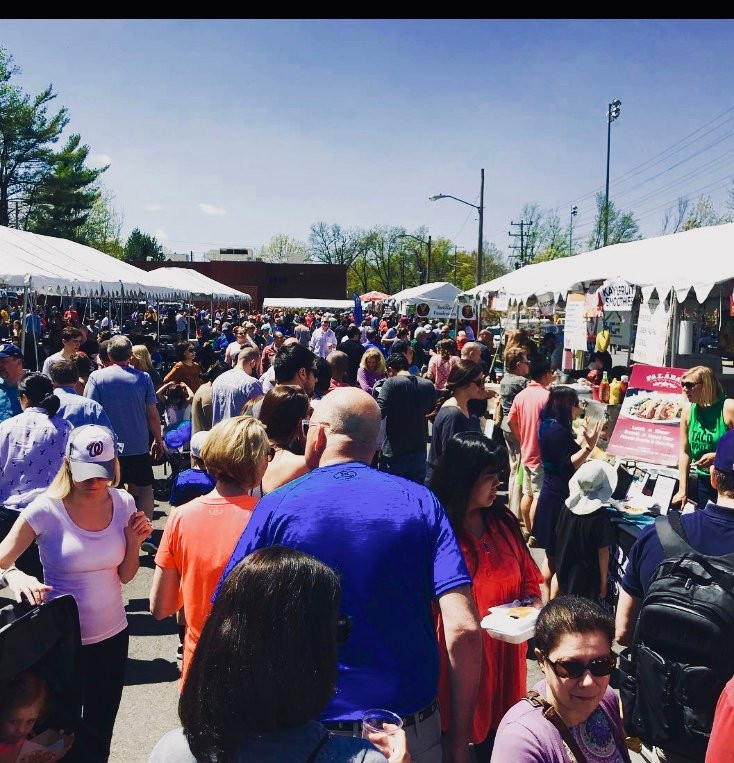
x=194, y=482
x=584, y=532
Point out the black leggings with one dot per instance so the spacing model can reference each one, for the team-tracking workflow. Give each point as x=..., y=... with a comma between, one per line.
x=102, y=677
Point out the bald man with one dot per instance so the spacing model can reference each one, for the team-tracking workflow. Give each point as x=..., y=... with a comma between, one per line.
x=392, y=545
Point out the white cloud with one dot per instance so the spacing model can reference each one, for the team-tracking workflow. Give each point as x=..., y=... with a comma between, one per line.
x=99, y=160
x=210, y=209
x=153, y=207
x=160, y=234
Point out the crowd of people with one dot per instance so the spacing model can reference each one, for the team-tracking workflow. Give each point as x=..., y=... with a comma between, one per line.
x=335, y=533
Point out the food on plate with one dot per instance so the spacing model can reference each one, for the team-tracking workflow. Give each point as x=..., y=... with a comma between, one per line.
x=653, y=408
x=634, y=509
x=518, y=612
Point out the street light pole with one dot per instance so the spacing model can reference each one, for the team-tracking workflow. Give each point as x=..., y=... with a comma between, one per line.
x=574, y=212
x=612, y=114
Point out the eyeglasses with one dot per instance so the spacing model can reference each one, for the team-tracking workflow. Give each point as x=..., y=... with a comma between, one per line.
x=689, y=385
x=306, y=423
x=271, y=452
x=601, y=666
x=343, y=629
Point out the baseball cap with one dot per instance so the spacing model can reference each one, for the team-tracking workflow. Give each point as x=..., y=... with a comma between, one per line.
x=226, y=325
x=197, y=443
x=91, y=452
x=724, y=458
x=8, y=350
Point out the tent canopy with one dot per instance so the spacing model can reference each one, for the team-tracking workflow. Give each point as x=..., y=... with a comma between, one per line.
x=439, y=290
x=698, y=258
x=56, y=266
x=374, y=296
x=305, y=304
x=190, y=280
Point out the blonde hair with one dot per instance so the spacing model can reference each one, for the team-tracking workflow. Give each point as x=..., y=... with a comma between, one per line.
x=237, y=451
x=373, y=353
x=63, y=482
x=141, y=354
x=711, y=389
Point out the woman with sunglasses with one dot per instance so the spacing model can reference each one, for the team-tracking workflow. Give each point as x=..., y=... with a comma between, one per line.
x=465, y=480
x=455, y=411
x=561, y=454
x=709, y=415
x=200, y=536
x=187, y=370
x=265, y=669
x=573, y=711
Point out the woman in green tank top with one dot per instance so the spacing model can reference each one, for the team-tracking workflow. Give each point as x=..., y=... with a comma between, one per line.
x=710, y=414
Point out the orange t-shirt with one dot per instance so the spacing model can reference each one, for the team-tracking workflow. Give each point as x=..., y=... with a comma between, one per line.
x=197, y=542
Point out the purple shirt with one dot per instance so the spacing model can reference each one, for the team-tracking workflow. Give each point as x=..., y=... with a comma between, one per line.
x=366, y=379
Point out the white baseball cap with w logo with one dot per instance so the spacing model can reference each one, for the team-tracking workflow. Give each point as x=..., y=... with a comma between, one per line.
x=91, y=452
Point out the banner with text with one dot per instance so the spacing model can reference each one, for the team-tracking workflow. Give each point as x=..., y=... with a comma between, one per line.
x=648, y=426
x=574, y=330
x=652, y=333
x=617, y=295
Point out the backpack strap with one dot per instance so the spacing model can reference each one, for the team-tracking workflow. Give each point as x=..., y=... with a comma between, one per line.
x=316, y=750
x=550, y=714
x=672, y=536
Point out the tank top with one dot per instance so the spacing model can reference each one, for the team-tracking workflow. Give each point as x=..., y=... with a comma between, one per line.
x=705, y=428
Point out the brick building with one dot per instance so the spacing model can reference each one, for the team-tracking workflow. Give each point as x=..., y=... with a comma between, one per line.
x=272, y=280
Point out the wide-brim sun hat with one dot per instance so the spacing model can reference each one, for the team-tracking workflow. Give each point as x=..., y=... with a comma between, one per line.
x=591, y=487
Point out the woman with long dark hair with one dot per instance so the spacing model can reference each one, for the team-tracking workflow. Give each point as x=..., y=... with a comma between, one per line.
x=561, y=455
x=465, y=480
x=454, y=411
x=186, y=370
x=265, y=668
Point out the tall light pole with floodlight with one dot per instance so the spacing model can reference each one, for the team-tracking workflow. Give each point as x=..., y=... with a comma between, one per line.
x=574, y=212
x=612, y=114
x=480, y=209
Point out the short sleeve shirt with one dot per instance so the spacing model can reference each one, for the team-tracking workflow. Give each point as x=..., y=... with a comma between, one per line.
x=392, y=545
x=525, y=409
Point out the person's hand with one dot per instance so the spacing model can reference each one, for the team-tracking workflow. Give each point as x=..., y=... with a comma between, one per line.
x=138, y=528
x=394, y=746
x=706, y=461
x=158, y=450
x=680, y=497
x=26, y=586
x=590, y=434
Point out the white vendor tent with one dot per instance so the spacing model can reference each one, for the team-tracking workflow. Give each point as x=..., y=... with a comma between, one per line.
x=431, y=300
x=51, y=265
x=308, y=304
x=195, y=283
x=698, y=259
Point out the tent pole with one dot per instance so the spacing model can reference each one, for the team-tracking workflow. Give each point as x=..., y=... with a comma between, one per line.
x=35, y=339
x=633, y=313
x=673, y=327
x=22, y=318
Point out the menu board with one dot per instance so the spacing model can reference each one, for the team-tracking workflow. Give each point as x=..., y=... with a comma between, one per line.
x=652, y=332
x=574, y=330
x=648, y=426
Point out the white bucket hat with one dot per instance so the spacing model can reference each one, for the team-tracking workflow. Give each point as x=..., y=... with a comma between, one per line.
x=591, y=486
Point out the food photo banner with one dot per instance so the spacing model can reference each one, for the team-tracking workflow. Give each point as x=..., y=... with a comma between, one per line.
x=648, y=426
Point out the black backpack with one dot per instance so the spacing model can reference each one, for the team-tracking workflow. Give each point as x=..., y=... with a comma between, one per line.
x=683, y=652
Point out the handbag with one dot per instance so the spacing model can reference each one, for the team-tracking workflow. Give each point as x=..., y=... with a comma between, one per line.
x=550, y=714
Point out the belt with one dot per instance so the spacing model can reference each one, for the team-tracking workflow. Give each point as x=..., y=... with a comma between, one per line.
x=355, y=727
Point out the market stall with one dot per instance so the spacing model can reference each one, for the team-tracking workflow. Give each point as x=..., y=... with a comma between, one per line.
x=288, y=303
x=431, y=300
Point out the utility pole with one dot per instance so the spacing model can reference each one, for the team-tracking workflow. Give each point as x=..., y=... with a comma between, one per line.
x=521, y=257
x=612, y=114
x=480, y=247
x=455, y=277
x=574, y=212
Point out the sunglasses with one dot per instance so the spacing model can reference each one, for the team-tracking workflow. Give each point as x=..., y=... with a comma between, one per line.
x=601, y=666
x=689, y=385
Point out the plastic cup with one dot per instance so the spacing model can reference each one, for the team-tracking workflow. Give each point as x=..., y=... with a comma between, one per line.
x=374, y=721
x=595, y=393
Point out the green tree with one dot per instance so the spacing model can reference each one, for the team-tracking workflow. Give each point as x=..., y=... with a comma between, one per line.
x=27, y=134
x=283, y=248
x=622, y=225
x=141, y=246
x=332, y=245
x=702, y=214
x=60, y=203
x=103, y=226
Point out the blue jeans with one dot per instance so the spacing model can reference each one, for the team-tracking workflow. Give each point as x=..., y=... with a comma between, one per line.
x=412, y=465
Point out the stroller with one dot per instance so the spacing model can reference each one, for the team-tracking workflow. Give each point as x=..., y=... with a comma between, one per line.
x=46, y=639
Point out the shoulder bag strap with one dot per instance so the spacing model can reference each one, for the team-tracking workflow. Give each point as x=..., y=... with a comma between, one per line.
x=550, y=714
x=316, y=750
x=671, y=535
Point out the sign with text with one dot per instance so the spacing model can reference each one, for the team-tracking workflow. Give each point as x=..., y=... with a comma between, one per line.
x=619, y=325
x=652, y=332
x=574, y=334
x=500, y=302
x=429, y=308
x=648, y=426
x=547, y=303
x=617, y=295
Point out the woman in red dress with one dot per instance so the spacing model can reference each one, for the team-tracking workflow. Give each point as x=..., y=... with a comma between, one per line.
x=466, y=481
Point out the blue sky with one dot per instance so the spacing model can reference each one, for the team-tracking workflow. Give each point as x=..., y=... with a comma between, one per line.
x=229, y=132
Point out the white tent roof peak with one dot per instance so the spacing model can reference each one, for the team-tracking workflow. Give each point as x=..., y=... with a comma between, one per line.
x=194, y=282
x=442, y=290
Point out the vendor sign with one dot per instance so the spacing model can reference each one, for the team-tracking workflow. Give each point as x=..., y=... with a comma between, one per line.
x=648, y=426
x=574, y=335
x=429, y=308
x=652, y=333
x=617, y=295
x=500, y=302
x=547, y=303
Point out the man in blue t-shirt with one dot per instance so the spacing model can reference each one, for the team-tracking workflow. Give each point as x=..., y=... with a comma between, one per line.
x=11, y=372
x=392, y=545
x=709, y=531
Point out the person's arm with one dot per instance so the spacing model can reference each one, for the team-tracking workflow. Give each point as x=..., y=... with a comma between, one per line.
x=589, y=436
x=158, y=448
x=728, y=413
x=19, y=538
x=137, y=530
x=383, y=398
x=720, y=748
x=513, y=423
x=684, y=461
x=189, y=392
x=464, y=647
x=628, y=608
x=165, y=593
x=603, y=571
x=173, y=374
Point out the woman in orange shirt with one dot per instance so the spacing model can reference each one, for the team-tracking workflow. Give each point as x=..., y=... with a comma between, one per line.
x=187, y=370
x=465, y=480
x=200, y=535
